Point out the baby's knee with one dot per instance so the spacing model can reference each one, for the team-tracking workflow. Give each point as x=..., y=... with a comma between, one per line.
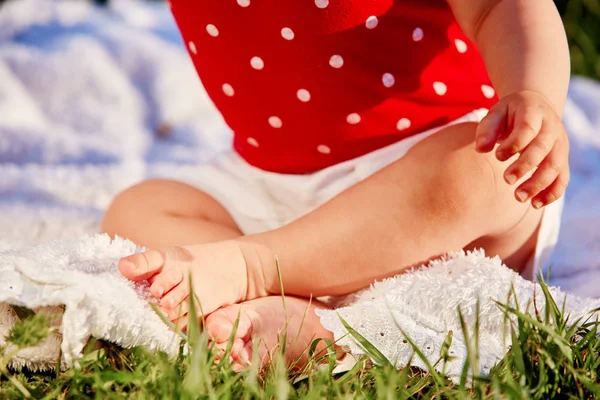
x=472, y=185
x=496, y=206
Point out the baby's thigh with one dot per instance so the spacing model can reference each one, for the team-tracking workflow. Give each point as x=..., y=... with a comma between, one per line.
x=161, y=197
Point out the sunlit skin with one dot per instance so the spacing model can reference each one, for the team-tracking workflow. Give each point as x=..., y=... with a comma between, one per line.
x=491, y=181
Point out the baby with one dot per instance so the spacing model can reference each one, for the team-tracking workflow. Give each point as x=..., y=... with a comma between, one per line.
x=369, y=137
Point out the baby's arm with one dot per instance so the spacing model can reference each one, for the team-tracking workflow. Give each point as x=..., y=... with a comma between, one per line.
x=522, y=42
x=525, y=51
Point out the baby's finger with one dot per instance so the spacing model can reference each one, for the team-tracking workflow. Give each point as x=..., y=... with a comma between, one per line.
x=138, y=267
x=490, y=128
x=165, y=281
x=526, y=126
x=543, y=177
x=553, y=192
x=531, y=157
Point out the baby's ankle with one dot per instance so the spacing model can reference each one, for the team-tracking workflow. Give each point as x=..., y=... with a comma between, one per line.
x=261, y=267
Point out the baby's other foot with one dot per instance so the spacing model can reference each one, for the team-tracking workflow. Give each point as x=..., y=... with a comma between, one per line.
x=262, y=325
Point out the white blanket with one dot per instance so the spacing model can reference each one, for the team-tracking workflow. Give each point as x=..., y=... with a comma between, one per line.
x=81, y=275
x=94, y=100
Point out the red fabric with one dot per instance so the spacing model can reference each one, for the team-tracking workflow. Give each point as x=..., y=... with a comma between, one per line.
x=433, y=74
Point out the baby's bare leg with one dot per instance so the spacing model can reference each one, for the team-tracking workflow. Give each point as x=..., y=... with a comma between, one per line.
x=440, y=196
x=162, y=213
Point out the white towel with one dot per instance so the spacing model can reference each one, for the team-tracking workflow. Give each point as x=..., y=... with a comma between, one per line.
x=82, y=275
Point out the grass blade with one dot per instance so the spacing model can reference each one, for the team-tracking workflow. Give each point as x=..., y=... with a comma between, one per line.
x=369, y=349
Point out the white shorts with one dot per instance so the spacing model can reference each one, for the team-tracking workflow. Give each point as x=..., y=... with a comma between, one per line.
x=259, y=200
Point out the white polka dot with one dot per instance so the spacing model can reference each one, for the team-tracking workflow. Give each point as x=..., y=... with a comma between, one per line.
x=228, y=89
x=192, y=47
x=252, y=142
x=371, y=22
x=388, y=80
x=243, y=3
x=322, y=3
x=287, y=33
x=461, y=46
x=257, y=63
x=417, y=34
x=336, y=61
x=488, y=91
x=275, y=122
x=303, y=95
x=403, y=124
x=212, y=30
x=323, y=149
x=440, y=88
x=353, y=118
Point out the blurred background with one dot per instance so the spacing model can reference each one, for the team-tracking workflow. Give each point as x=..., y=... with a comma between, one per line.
x=582, y=23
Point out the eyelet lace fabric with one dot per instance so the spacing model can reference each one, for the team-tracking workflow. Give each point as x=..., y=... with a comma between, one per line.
x=421, y=306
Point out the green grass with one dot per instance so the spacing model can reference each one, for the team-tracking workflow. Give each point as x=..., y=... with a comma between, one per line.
x=550, y=357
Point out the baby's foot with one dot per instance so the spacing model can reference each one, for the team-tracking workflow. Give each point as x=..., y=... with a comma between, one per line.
x=222, y=273
x=262, y=325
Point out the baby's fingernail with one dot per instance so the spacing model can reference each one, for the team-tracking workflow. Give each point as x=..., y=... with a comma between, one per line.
x=537, y=204
x=521, y=195
x=511, y=178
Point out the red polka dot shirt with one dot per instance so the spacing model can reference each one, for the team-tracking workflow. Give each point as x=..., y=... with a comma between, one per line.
x=306, y=84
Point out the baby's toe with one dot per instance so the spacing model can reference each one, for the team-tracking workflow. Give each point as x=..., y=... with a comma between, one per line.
x=165, y=281
x=175, y=296
x=240, y=353
x=219, y=327
x=181, y=323
x=243, y=353
x=182, y=309
x=138, y=267
x=220, y=324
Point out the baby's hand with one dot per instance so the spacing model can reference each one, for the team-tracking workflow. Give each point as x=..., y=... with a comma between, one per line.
x=222, y=273
x=525, y=122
